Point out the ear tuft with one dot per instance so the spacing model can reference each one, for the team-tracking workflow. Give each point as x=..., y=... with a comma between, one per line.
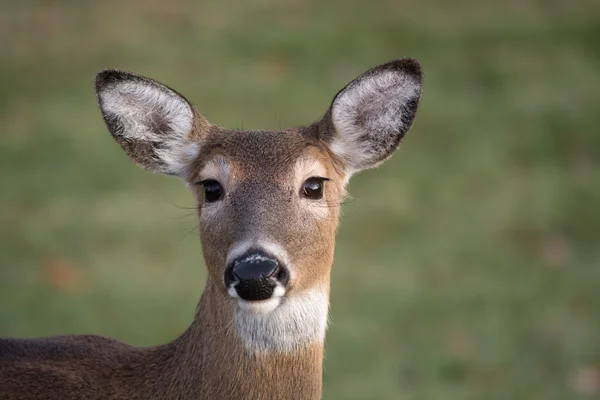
x=373, y=112
x=151, y=122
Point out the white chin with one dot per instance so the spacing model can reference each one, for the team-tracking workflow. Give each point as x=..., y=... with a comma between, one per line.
x=260, y=307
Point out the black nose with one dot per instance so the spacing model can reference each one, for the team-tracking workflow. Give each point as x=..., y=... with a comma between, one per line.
x=255, y=266
x=255, y=275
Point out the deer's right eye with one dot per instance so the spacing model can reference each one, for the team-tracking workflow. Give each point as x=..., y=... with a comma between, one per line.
x=313, y=188
x=213, y=191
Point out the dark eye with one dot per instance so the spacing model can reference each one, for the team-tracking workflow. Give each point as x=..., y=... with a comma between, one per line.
x=312, y=188
x=212, y=190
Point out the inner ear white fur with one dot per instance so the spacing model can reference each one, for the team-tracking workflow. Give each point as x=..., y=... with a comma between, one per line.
x=370, y=116
x=150, y=112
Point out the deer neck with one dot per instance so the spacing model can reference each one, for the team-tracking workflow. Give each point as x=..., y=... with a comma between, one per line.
x=229, y=353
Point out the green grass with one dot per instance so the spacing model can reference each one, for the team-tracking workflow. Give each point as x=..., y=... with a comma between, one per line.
x=467, y=267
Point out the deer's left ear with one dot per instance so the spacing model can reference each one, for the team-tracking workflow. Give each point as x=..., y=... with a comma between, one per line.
x=368, y=118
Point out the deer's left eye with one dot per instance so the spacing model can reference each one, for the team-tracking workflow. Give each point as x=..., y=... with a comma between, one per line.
x=213, y=191
x=312, y=188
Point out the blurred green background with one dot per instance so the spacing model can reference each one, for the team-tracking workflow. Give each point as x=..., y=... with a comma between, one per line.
x=467, y=267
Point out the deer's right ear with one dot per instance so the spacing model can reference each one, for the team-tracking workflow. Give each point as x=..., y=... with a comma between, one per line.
x=368, y=118
x=155, y=125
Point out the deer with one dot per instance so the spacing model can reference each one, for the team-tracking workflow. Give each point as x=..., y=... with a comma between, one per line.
x=268, y=204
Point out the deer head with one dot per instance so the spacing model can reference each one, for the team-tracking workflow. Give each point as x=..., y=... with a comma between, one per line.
x=268, y=201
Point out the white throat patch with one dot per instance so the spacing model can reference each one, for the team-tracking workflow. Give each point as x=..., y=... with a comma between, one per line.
x=296, y=322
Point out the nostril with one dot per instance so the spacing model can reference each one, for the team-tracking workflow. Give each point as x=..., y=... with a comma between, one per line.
x=274, y=272
x=229, y=277
x=283, y=276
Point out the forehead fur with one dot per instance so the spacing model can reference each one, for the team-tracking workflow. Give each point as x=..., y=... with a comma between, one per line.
x=270, y=152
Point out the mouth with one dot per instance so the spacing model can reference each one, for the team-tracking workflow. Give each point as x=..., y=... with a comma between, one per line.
x=257, y=281
x=260, y=307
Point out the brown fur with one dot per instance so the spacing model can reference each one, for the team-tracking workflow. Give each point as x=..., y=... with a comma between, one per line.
x=260, y=192
x=261, y=200
x=205, y=362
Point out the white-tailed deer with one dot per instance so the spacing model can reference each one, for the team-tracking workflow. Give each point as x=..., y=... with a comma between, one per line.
x=268, y=203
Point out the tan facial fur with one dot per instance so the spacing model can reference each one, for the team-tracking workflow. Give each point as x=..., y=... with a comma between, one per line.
x=262, y=204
